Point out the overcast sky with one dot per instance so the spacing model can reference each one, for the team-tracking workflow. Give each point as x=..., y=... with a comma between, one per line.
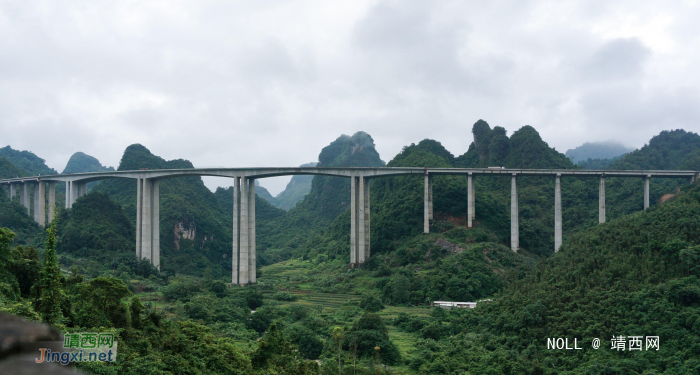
x=269, y=83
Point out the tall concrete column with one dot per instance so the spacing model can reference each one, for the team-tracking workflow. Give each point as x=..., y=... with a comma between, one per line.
x=353, y=221
x=67, y=203
x=251, y=237
x=52, y=200
x=430, y=198
x=601, y=200
x=514, y=226
x=146, y=220
x=646, y=191
x=236, y=230
x=470, y=200
x=139, y=210
x=557, y=213
x=426, y=204
x=361, y=222
x=74, y=192
x=155, y=231
x=83, y=189
x=40, y=203
x=24, y=196
x=12, y=191
x=243, y=275
x=367, y=226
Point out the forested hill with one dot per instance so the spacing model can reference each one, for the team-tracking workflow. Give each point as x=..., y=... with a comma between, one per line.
x=14, y=216
x=328, y=198
x=524, y=149
x=81, y=163
x=27, y=162
x=195, y=229
x=297, y=188
x=397, y=202
x=635, y=276
x=671, y=149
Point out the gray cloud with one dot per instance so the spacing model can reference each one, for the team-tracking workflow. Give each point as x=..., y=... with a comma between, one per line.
x=271, y=83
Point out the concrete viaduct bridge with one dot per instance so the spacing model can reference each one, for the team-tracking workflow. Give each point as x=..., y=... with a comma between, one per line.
x=244, y=260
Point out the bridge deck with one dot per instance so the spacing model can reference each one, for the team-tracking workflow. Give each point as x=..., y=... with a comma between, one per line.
x=346, y=172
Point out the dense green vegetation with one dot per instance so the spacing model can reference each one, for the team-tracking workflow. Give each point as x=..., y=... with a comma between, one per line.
x=195, y=233
x=635, y=275
x=328, y=198
x=26, y=161
x=81, y=163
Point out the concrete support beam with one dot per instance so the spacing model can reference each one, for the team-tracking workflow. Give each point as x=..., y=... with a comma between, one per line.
x=557, y=213
x=40, y=203
x=353, y=221
x=243, y=274
x=646, y=191
x=67, y=202
x=601, y=200
x=148, y=220
x=361, y=222
x=236, y=230
x=426, y=204
x=52, y=201
x=155, y=232
x=139, y=209
x=430, y=198
x=74, y=193
x=514, y=225
x=24, y=196
x=367, y=227
x=13, y=192
x=470, y=201
x=251, y=230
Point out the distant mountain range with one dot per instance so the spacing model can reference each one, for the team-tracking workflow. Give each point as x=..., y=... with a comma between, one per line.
x=597, y=150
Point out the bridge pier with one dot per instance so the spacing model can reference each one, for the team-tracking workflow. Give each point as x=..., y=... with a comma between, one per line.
x=427, y=203
x=470, y=200
x=601, y=200
x=359, y=221
x=514, y=225
x=646, y=191
x=40, y=203
x=12, y=191
x=557, y=213
x=147, y=219
x=52, y=200
x=244, y=255
x=24, y=196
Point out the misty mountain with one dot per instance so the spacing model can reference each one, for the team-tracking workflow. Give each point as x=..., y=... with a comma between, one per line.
x=597, y=150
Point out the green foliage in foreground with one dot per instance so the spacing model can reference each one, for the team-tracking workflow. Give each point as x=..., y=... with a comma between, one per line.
x=635, y=276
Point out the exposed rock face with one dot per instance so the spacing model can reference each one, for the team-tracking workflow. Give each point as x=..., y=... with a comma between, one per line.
x=187, y=231
x=18, y=355
x=449, y=246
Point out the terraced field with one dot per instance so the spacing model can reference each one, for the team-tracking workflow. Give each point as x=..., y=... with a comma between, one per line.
x=325, y=302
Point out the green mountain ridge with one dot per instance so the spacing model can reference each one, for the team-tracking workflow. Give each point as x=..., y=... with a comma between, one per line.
x=637, y=274
x=81, y=163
